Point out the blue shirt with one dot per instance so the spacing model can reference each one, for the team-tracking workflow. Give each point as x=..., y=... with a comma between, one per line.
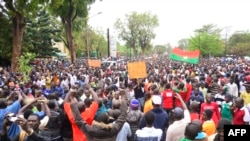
x=57, y=89
x=13, y=108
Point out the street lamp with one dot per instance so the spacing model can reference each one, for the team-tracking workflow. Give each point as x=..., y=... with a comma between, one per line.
x=86, y=22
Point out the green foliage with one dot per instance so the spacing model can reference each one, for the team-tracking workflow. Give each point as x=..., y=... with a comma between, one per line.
x=239, y=43
x=27, y=8
x=96, y=41
x=160, y=49
x=71, y=8
x=5, y=37
x=148, y=22
x=123, y=50
x=69, y=11
x=183, y=44
x=41, y=34
x=207, y=39
x=137, y=30
x=24, y=65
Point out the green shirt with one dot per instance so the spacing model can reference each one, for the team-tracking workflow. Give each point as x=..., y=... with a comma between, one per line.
x=226, y=111
x=185, y=139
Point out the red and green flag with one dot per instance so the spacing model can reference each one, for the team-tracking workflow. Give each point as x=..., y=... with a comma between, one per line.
x=191, y=57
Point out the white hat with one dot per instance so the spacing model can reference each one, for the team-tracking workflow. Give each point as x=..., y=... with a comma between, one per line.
x=156, y=100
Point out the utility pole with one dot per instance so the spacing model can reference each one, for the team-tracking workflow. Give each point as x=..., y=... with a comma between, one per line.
x=108, y=42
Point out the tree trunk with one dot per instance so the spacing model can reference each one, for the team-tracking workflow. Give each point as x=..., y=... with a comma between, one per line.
x=143, y=52
x=135, y=52
x=70, y=39
x=18, y=29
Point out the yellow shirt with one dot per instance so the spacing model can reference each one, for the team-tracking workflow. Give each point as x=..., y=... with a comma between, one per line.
x=246, y=97
x=148, y=106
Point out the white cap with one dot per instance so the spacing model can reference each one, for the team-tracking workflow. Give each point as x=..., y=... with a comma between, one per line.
x=156, y=100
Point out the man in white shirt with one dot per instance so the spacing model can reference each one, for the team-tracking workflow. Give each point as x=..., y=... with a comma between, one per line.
x=232, y=88
x=176, y=130
x=148, y=132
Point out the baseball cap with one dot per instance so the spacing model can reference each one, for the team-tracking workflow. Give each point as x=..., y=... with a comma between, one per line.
x=178, y=112
x=156, y=100
x=134, y=103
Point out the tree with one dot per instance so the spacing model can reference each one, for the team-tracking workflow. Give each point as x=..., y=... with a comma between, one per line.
x=137, y=30
x=183, y=44
x=68, y=12
x=41, y=34
x=122, y=50
x=239, y=43
x=160, y=49
x=169, y=48
x=96, y=41
x=17, y=11
x=207, y=39
x=128, y=31
x=5, y=39
x=24, y=65
x=147, y=23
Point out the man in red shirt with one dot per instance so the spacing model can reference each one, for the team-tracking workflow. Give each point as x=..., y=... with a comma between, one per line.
x=168, y=98
x=87, y=114
x=189, y=90
x=182, y=90
x=241, y=113
x=213, y=106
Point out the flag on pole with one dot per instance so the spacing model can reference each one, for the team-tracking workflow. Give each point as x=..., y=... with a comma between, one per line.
x=185, y=56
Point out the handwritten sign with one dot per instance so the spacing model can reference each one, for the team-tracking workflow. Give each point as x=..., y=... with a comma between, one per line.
x=137, y=70
x=94, y=63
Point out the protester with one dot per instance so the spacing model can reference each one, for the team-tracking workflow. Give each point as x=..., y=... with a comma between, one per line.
x=58, y=92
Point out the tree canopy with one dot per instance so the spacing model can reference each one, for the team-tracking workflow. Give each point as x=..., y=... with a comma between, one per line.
x=239, y=43
x=41, y=34
x=208, y=40
x=137, y=30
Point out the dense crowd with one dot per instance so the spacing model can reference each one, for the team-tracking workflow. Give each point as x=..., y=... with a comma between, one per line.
x=74, y=102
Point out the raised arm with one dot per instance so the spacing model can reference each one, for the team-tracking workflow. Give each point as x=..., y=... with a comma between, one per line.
x=93, y=93
x=77, y=117
x=47, y=110
x=122, y=117
x=184, y=106
x=26, y=106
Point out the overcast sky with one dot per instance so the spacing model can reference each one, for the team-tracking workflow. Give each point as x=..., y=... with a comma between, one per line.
x=177, y=18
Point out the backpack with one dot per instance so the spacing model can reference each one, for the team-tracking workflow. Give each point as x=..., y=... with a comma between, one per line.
x=134, y=116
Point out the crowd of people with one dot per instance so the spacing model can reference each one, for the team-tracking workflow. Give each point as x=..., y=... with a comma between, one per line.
x=74, y=102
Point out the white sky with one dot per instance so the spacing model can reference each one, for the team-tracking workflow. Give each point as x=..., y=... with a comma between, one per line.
x=177, y=18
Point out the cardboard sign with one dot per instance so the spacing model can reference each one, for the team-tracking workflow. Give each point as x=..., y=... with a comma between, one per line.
x=94, y=63
x=137, y=70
